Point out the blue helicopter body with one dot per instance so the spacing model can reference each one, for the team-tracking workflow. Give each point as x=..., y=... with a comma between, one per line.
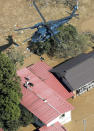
x=42, y=34
x=45, y=30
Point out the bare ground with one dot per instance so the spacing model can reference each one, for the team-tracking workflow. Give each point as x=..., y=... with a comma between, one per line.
x=28, y=128
x=84, y=110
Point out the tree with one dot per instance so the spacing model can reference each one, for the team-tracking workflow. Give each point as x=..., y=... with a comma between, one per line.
x=26, y=117
x=72, y=43
x=11, y=125
x=10, y=92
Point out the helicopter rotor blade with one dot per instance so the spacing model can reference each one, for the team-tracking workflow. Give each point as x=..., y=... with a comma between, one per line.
x=24, y=28
x=39, y=12
x=27, y=39
x=31, y=27
x=68, y=12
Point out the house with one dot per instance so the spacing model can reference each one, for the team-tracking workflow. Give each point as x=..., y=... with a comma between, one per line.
x=76, y=74
x=45, y=97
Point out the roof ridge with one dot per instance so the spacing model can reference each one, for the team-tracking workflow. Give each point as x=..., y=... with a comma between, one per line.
x=44, y=100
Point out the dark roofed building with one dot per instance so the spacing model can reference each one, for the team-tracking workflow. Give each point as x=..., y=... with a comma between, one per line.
x=76, y=74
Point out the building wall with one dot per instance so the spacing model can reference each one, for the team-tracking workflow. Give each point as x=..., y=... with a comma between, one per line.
x=74, y=92
x=62, y=120
x=65, y=119
x=85, y=88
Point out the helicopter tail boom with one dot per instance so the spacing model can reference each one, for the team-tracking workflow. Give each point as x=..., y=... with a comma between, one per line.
x=74, y=10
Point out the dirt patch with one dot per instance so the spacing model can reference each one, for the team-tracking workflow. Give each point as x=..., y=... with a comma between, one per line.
x=28, y=128
x=86, y=15
x=84, y=110
x=88, y=25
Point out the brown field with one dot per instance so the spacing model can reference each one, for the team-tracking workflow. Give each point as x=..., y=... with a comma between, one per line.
x=84, y=110
x=28, y=128
x=17, y=14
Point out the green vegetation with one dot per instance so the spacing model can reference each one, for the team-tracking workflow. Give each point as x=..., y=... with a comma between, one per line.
x=90, y=35
x=16, y=56
x=25, y=119
x=10, y=92
x=72, y=44
x=12, y=114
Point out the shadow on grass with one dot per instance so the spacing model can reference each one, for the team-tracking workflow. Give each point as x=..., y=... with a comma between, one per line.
x=10, y=42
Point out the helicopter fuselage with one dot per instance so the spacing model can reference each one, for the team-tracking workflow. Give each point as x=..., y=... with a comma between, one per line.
x=45, y=30
x=42, y=33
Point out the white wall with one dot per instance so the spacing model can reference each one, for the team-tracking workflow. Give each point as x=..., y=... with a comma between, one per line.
x=62, y=120
x=65, y=119
x=53, y=121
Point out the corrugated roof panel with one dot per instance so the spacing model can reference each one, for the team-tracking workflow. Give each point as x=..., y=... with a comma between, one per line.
x=41, y=69
x=44, y=112
x=53, y=83
x=39, y=108
x=29, y=99
x=62, y=106
x=52, y=97
x=81, y=74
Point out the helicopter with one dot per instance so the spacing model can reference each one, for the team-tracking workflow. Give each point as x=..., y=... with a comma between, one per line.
x=46, y=30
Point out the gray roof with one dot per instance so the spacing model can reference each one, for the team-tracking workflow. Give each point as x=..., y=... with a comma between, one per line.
x=77, y=71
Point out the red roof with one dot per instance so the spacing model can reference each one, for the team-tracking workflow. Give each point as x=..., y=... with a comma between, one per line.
x=33, y=98
x=38, y=107
x=41, y=69
x=55, y=127
x=1, y=129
